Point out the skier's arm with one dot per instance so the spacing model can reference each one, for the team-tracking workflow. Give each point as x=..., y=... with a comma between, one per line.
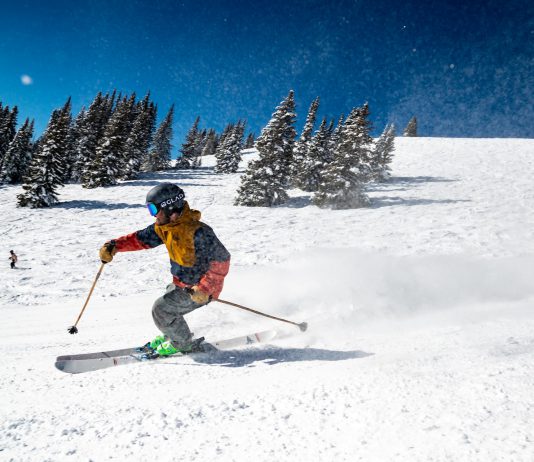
x=143, y=239
x=211, y=282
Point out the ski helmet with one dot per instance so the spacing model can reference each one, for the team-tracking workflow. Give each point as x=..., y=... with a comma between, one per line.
x=167, y=197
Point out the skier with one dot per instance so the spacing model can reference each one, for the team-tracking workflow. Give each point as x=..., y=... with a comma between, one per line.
x=199, y=264
x=13, y=258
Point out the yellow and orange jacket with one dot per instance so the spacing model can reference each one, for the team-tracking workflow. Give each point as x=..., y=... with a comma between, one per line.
x=197, y=256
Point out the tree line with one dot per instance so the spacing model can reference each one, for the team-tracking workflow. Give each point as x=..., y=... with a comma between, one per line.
x=114, y=139
x=334, y=163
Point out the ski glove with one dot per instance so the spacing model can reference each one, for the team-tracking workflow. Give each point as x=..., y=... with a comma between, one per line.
x=198, y=296
x=107, y=252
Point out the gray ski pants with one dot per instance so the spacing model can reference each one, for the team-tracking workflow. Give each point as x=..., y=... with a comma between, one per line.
x=168, y=314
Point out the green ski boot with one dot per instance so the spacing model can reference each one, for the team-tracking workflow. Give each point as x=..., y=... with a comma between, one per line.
x=150, y=347
x=154, y=344
x=167, y=348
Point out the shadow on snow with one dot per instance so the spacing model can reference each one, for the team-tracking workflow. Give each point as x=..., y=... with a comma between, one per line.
x=410, y=180
x=91, y=204
x=178, y=176
x=272, y=356
x=389, y=201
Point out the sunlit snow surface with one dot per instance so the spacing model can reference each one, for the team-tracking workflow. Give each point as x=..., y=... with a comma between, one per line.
x=421, y=339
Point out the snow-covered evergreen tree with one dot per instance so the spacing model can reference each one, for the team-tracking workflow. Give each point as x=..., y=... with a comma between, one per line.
x=364, y=146
x=265, y=179
x=47, y=168
x=249, y=143
x=90, y=127
x=302, y=146
x=189, y=147
x=108, y=164
x=342, y=185
x=316, y=161
x=18, y=156
x=224, y=134
x=228, y=154
x=196, y=160
x=221, y=141
x=71, y=153
x=159, y=157
x=135, y=150
x=411, y=128
x=8, y=129
x=335, y=132
x=383, y=154
x=210, y=144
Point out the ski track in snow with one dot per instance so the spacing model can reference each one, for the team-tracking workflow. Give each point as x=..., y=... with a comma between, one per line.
x=420, y=345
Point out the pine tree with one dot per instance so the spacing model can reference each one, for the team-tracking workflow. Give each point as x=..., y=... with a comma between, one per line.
x=229, y=153
x=411, y=128
x=224, y=134
x=12, y=126
x=316, y=161
x=210, y=144
x=189, y=148
x=8, y=129
x=159, y=157
x=18, y=155
x=71, y=153
x=249, y=143
x=135, y=150
x=342, y=185
x=383, y=154
x=331, y=126
x=4, y=143
x=221, y=143
x=302, y=146
x=364, y=145
x=107, y=165
x=47, y=168
x=333, y=139
x=196, y=161
x=90, y=127
x=265, y=180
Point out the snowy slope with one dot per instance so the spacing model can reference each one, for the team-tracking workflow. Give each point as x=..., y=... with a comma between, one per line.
x=420, y=310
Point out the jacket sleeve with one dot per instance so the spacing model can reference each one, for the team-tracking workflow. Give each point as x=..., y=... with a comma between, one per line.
x=211, y=282
x=143, y=239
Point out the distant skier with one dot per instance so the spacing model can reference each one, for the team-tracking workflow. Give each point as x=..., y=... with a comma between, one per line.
x=13, y=257
x=199, y=264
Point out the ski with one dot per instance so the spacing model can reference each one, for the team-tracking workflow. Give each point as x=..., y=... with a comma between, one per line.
x=87, y=362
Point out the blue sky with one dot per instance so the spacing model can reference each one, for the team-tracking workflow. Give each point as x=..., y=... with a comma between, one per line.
x=463, y=68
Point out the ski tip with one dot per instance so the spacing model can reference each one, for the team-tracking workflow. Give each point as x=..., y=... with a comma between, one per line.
x=60, y=365
x=66, y=366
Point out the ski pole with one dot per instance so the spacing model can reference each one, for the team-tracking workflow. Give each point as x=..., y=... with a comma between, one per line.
x=74, y=329
x=302, y=326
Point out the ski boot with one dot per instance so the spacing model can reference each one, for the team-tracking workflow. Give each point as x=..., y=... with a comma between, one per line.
x=167, y=348
x=149, y=348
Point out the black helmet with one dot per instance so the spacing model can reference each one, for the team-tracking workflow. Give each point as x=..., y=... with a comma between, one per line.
x=167, y=197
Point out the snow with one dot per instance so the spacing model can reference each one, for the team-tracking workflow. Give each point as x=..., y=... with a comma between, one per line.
x=420, y=346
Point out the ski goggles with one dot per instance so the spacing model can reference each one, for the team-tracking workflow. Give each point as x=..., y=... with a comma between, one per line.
x=152, y=208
